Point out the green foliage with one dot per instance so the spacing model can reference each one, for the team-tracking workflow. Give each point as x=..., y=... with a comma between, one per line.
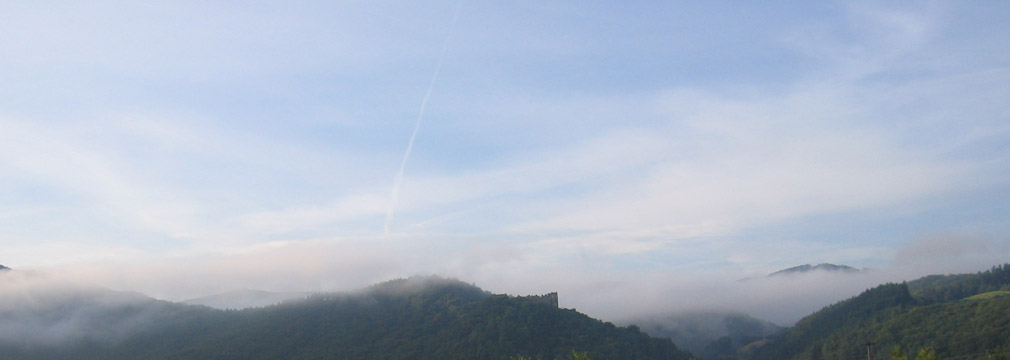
x=538, y=330
x=935, y=289
x=806, y=338
x=989, y=295
x=927, y=354
x=898, y=353
x=889, y=317
x=427, y=319
x=997, y=355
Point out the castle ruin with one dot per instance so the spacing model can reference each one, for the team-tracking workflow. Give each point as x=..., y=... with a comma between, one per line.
x=549, y=299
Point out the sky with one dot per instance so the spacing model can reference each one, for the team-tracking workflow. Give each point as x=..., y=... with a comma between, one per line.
x=600, y=148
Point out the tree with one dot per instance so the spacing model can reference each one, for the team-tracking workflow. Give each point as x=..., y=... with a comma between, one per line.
x=927, y=354
x=897, y=353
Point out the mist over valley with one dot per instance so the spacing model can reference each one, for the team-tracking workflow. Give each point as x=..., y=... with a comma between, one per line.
x=43, y=317
x=525, y=180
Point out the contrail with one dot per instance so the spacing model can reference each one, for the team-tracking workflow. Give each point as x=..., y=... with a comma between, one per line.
x=394, y=195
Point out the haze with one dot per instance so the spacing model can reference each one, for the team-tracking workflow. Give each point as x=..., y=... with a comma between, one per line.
x=634, y=157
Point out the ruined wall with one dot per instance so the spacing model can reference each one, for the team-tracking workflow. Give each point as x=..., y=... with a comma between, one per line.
x=549, y=299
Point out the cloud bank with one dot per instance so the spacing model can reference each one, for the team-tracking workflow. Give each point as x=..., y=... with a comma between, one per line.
x=591, y=149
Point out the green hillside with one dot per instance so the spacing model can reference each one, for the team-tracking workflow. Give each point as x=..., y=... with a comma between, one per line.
x=989, y=295
x=945, y=288
x=425, y=318
x=934, y=315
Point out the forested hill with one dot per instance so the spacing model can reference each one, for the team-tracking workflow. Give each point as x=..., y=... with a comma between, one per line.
x=944, y=288
x=421, y=318
x=963, y=316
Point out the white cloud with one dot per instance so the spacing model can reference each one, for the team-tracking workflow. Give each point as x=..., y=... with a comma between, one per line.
x=733, y=164
x=950, y=253
x=601, y=186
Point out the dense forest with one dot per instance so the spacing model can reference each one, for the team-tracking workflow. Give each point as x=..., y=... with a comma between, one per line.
x=944, y=316
x=945, y=288
x=421, y=318
x=950, y=316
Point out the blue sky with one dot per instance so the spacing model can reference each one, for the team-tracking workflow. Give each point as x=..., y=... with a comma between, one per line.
x=579, y=143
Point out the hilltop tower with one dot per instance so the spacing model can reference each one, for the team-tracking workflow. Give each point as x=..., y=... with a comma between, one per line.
x=549, y=299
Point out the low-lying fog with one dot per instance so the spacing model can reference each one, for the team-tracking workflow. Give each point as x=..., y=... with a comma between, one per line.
x=601, y=291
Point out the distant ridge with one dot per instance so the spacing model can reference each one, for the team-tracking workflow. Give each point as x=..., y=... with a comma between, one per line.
x=805, y=269
x=958, y=316
x=819, y=267
x=416, y=318
x=244, y=299
x=4, y=268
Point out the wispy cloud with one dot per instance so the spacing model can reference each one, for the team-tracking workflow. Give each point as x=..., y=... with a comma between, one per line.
x=252, y=145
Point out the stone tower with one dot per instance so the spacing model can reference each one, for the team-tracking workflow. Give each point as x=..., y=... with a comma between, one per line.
x=549, y=299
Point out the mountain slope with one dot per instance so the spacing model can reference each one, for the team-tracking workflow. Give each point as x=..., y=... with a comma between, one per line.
x=710, y=335
x=58, y=322
x=944, y=315
x=958, y=329
x=807, y=335
x=819, y=267
x=243, y=299
x=421, y=318
x=944, y=288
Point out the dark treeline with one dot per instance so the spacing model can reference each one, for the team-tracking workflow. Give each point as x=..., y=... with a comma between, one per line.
x=427, y=318
x=965, y=316
x=944, y=288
